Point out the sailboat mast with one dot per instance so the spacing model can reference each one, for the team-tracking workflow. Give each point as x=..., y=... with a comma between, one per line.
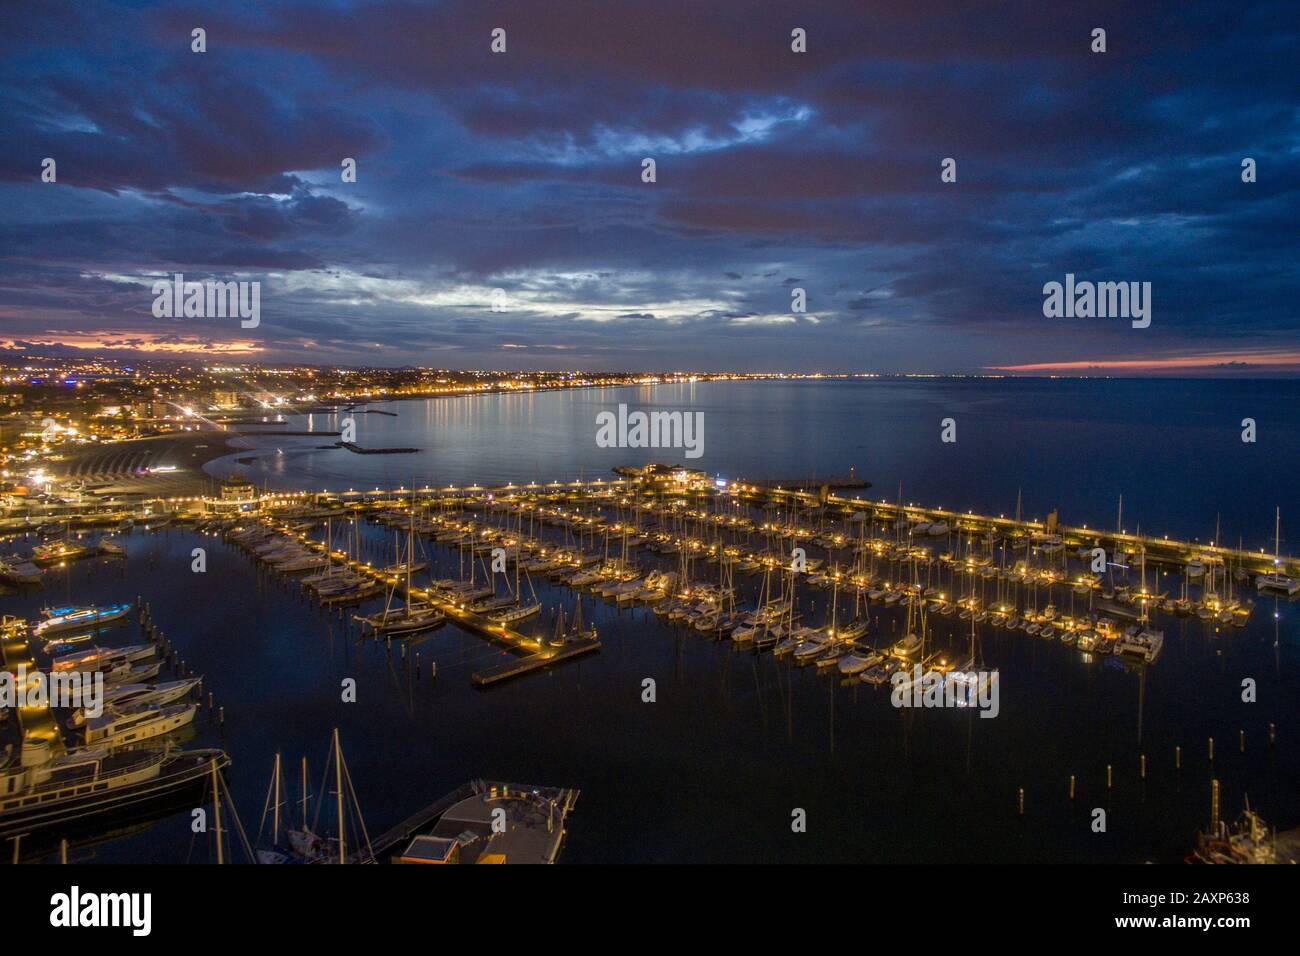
x=275, y=826
x=338, y=785
x=1277, y=538
x=216, y=810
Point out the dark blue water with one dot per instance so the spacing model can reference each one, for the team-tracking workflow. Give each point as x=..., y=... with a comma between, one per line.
x=736, y=741
x=1172, y=448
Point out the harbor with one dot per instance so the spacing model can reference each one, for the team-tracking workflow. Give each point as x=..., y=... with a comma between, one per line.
x=413, y=592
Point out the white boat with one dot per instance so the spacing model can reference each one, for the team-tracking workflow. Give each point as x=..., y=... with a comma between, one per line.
x=140, y=695
x=513, y=615
x=132, y=673
x=906, y=647
x=1276, y=580
x=94, y=659
x=132, y=725
x=85, y=617
x=857, y=662
x=408, y=619
x=112, y=548
x=48, y=792
x=814, y=644
x=1143, y=642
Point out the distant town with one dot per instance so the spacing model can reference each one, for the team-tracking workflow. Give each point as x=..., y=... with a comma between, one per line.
x=54, y=410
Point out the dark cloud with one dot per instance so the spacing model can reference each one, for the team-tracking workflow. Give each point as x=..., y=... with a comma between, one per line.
x=522, y=172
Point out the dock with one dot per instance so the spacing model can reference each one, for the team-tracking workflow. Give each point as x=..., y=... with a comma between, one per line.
x=36, y=722
x=533, y=662
x=1158, y=549
x=534, y=831
x=537, y=655
x=357, y=449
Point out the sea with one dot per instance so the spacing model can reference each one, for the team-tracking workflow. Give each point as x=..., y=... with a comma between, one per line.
x=740, y=757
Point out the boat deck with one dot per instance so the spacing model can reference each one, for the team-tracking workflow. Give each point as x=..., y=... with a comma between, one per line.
x=534, y=823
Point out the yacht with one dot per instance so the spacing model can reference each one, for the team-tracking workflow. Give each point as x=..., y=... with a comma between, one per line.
x=141, y=695
x=117, y=728
x=112, y=548
x=71, y=619
x=96, y=658
x=41, y=791
x=58, y=552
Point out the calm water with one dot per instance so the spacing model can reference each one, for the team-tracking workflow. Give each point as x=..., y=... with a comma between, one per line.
x=712, y=770
x=735, y=741
x=1173, y=449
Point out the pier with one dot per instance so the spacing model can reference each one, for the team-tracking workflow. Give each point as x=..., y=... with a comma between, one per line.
x=37, y=722
x=307, y=504
x=537, y=655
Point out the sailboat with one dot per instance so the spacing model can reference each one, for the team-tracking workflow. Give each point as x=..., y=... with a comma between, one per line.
x=1141, y=640
x=517, y=610
x=1275, y=580
x=969, y=678
x=307, y=844
x=409, y=618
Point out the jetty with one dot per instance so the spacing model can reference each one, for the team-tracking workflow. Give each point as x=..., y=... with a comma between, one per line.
x=354, y=447
x=535, y=653
x=38, y=723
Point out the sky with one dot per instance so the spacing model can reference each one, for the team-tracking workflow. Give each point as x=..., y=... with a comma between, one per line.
x=774, y=170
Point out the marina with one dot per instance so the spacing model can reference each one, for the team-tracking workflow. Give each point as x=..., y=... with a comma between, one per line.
x=608, y=433
x=700, y=570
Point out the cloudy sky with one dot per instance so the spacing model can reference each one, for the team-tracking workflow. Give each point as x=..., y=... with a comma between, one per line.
x=522, y=171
